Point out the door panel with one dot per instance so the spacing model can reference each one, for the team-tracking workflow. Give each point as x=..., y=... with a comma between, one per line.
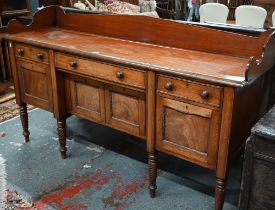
x=125, y=110
x=87, y=99
x=35, y=84
x=187, y=130
x=179, y=129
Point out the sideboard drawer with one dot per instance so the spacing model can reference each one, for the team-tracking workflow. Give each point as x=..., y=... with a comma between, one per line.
x=32, y=53
x=190, y=90
x=101, y=70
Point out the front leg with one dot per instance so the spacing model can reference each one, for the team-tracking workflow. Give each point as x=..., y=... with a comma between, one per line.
x=61, y=129
x=152, y=164
x=24, y=121
x=219, y=193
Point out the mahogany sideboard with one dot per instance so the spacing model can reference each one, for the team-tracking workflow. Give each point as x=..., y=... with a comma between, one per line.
x=189, y=91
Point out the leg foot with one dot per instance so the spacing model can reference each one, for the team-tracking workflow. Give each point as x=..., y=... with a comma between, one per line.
x=24, y=121
x=219, y=193
x=152, y=164
x=61, y=129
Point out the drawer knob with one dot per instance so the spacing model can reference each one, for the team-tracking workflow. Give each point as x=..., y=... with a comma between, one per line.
x=73, y=63
x=40, y=56
x=20, y=51
x=119, y=75
x=169, y=86
x=205, y=94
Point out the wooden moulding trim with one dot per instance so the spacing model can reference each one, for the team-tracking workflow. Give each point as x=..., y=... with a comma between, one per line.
x=256, y=67
x=42, y=19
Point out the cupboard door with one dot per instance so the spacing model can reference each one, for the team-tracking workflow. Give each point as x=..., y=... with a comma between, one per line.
x=35, y=84
x=188, y=131
x=125, y=110
x=87, y=99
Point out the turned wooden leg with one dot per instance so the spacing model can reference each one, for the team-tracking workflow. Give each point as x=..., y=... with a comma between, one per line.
x=219, y=193
x=24, y=121
x=152, y=164
x=61, y=129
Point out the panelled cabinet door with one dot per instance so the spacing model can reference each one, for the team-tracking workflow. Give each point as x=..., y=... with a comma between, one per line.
x=188, y=131
x=87, y=99
x=35, y=84
x=125, y=110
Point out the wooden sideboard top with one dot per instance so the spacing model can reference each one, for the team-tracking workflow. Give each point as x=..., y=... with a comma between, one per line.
x=149, y=43
x=144, y=55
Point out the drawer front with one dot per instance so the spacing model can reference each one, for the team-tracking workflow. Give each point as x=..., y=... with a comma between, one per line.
x=32, y=53
x=206, y=94
x=101, y=70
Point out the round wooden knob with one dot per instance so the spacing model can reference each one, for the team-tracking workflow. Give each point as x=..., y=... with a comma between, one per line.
x=20, y=51
x=119, y=75
x=169, y=86
x=205, y=94
x=40, y=56
x=73, y=63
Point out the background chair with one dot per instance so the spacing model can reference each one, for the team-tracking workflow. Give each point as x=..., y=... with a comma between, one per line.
x=213, y=12
x=253, y=16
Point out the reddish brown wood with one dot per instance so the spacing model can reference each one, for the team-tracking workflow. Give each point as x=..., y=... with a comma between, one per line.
x=152, y=32
x=14, y=72
x=219, y=193
x=175, y=123
x=125, y=110
x=93, y=68
x=152, y=165
x=151, y=110
x=24, y=121
x=61, y=129
x=194, y=95
x=198, y=92
x=34, y=81
x=58, y=83
x=87, y=99
x=32, y=53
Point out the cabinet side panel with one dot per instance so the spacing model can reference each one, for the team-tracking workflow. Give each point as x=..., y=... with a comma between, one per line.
x=251, y=104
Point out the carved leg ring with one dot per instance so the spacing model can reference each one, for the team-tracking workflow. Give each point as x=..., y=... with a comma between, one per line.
x=24, y=121
x=219, y=193
x=61, y=129
x=152, y=164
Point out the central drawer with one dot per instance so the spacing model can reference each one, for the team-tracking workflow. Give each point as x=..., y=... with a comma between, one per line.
x=101, y=70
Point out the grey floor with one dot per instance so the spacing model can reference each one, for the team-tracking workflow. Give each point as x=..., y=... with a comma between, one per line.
x=107, y=167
